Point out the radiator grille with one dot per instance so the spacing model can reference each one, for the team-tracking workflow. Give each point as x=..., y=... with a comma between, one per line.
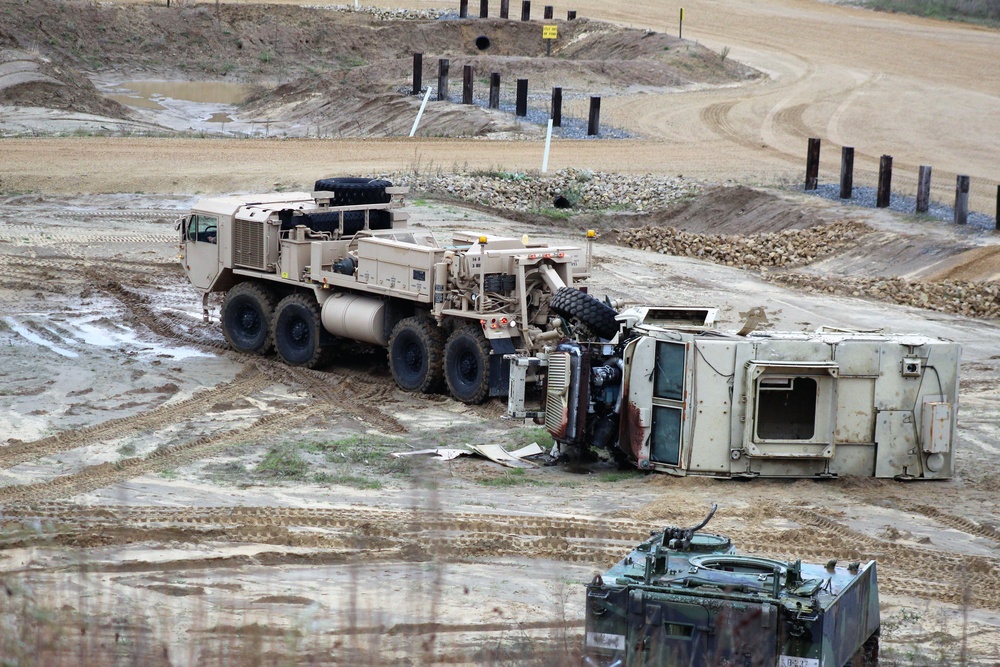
x=557, y=393
x=248, y=244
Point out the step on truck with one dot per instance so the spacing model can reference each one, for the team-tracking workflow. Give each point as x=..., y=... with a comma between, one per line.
x=301, y=272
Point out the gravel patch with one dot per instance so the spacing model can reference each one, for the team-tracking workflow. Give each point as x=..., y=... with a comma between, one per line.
x=583, y=190
x=866, y=197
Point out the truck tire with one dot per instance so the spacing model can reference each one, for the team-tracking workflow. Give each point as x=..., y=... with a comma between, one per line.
x=297, y=331
x=415, y=354
x=467, y=365
x=247, y=311
x=353, y=191
x=597, y=316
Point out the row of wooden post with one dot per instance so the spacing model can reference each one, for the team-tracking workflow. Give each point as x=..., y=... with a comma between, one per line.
x=884, y=191
x=484, y=10
x=521, y=102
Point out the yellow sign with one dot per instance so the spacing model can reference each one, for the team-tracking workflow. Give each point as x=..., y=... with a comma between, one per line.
x=550, y=32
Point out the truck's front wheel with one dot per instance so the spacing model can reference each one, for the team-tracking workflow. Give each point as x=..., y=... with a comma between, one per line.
x=415, y=350
x=297, y=331
x=467, y=365
x=247, y=311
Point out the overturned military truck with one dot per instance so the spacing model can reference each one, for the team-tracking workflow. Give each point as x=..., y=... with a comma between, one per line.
x=670, y=392
x=685, y=597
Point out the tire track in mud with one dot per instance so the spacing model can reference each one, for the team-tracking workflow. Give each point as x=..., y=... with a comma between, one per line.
x=903, y=569
x=247, y=382
x=356, y=394
x=422, y=534
x=103, y=475
x=386, y=521
x=959, y=523
x=35, y=236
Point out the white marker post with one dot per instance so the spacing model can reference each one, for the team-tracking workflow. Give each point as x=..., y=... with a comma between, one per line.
x=548, y=142
x=423, y=105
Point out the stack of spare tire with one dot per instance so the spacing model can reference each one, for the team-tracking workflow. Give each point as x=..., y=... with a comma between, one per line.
x=349, y=191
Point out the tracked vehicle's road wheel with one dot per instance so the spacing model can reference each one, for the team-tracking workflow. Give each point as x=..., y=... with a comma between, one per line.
x=415, y=354
x=467, y=365
x=354, y=191
x=247, y=312
x=599, y=317
x=297, y=329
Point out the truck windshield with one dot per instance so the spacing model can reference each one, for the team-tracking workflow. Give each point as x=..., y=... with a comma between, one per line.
x=203, y=228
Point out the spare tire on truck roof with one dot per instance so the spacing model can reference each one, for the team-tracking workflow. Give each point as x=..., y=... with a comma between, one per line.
x=350, y=191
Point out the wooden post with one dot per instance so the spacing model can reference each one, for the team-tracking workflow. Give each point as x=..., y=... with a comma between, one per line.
x=884, y=182
x=522, y=98
x=996, y=221
x=594, y=124
x=547, y=12
x=556, y=106
x=463, y=9
x=484, y=9
x=961, y=200
x=505, y=9
x=924, y=189
x=467, y=84
x=525, y=10
x=812, y=164
x=418, y=72
x=442, y=79
x=847, y=172
x=495, y=90
x=680, y=26
x=571, y=15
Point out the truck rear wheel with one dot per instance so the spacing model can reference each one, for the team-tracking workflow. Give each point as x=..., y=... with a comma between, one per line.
x=599, y=317
x=247, y=311
x=467, y=365
x=297, y=330
x=415, y=351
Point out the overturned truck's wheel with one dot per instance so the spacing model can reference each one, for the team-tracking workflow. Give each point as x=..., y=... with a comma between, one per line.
x=415, y=351
x=297, y=331
x=247, y=311
x=467, y=365
x=354, y=191
x=599, y=317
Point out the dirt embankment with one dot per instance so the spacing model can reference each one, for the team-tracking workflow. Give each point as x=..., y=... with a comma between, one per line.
x=346, y=73
x=31, y=80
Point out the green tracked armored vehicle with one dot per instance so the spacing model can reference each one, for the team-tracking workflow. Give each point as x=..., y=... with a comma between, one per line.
x=687, y=598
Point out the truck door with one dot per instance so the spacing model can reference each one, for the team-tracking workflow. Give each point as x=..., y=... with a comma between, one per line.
x=201, y=249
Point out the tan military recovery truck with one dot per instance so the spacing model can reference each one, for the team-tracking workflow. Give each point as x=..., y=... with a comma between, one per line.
x=300, y=271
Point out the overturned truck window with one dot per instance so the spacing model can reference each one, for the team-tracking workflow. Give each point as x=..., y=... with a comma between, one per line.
x=786, y=408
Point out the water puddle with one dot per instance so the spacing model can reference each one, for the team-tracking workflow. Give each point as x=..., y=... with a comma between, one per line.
x=201, y=106
x=152, y=94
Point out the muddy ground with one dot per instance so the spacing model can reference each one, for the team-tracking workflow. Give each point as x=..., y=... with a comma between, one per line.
x=173, y=500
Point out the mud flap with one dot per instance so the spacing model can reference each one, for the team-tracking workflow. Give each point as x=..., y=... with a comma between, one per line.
x=500, y=367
